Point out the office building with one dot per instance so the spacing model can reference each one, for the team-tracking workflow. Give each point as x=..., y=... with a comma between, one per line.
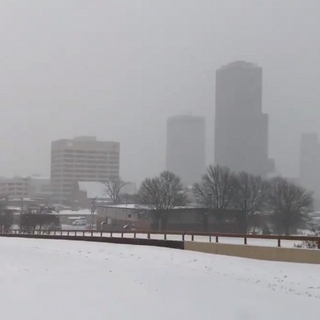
x=186, y=147
x=16, y=187
x=310, y=161
x=241, y=128
x=81, y=159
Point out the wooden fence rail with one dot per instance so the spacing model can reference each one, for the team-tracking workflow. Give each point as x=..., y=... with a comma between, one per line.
x=181, y=236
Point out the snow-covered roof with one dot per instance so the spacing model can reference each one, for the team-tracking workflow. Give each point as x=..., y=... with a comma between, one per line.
x=93, y=189
x=314, y=214
x=21, y=199
x=13, y=208
x=139, y=206
x=125, y=206
x=82, y=212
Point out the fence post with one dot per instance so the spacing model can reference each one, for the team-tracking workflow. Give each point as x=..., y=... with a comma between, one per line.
x=165, y=236
x=192, y=237
x=134, y=235
x=245, y=240
x=110, y=234
x=76, y=233
x=279, y=242
x=101, y=233
x=148, y=235
x=121, y=234
x=210, y=238
x=183, y=236
x=217, y=239
x=68, y=233
x=83, y=233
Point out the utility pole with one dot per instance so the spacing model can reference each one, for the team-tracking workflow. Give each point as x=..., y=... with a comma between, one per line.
x=93, y=210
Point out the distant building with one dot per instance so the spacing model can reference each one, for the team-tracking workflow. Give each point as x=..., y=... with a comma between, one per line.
x=68, y=217
x=119, y=217
x=84, y=192
x=116, y=217
x=40, y=188
x=16, y=187
x=185, y=154
x=310, y=161
x=81, y=159
x=34, y=187
x=241, y=129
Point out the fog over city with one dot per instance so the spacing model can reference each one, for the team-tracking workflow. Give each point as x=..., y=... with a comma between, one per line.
x=118, y=69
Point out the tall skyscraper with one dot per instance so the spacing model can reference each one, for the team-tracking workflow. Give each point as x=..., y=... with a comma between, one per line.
x=310, y=161
x=241, y=129
x=81, y=159
x=186, y=147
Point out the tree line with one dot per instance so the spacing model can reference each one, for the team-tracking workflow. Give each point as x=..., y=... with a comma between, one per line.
x=39, y=217
x=286, y=203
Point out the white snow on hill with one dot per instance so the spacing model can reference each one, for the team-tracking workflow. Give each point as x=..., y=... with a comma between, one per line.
x=52, y=279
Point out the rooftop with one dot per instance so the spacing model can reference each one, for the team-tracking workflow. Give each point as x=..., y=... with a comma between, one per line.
x=240, y=64
x=82, y=212
x=141, y=206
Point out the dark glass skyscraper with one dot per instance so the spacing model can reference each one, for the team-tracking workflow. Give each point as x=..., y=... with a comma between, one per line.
x=241, y=129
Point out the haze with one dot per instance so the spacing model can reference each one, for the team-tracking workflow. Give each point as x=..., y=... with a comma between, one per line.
x=118, y=69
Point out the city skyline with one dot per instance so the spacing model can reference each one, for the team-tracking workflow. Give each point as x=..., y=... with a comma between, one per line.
x=109, y=70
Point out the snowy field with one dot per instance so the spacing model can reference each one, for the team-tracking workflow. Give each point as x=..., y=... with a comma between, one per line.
x=240, y=241
x=54, y=279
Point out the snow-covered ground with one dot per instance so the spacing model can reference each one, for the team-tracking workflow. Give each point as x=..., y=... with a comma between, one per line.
x=54, y=279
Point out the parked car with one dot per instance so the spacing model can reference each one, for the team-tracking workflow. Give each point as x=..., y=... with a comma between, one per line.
x=79, y=222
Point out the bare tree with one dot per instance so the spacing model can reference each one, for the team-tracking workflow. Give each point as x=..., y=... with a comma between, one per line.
x=290, y=204
x=163, y=193
x=113, y=189
x=6, y=215
x=217, y=188
x=250, y=196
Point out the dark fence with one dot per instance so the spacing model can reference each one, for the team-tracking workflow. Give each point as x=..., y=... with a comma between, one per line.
x=135, y=237
x=93, y=238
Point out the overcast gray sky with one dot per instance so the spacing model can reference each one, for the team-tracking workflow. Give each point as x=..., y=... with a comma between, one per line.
x=117, y=69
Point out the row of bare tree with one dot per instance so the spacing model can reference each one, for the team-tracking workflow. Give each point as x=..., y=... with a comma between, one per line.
x=32, y=218
x=286, y=203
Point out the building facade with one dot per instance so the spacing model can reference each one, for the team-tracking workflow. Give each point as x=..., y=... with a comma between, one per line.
x=185, y=154
x=81, y=159
x=40, y=188
x=310, y=165
x=16, y=187
x=177, y=219
x=241, y=128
